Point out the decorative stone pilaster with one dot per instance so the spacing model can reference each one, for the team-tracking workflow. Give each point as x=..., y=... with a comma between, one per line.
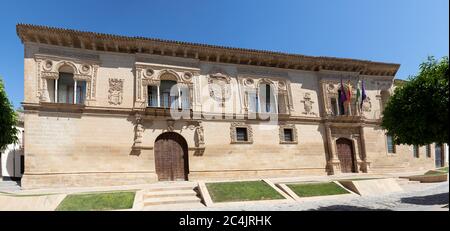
x=138, y=131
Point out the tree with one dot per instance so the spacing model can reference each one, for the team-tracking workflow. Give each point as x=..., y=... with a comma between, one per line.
x=8, y=120
x=417, y=112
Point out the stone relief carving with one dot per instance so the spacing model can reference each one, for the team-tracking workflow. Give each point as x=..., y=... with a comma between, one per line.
x=248, y=82
x=366, y=105
x=233, y=134
x=331, y=88
x=219, y=88
x=281, y=86
x=170, y=125
x=115, y=91
x=308, y=104
x=139, y=130
x=200, y=135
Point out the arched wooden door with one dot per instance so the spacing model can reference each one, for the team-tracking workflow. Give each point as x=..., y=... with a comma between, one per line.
x=345, y=155
x=171, y=157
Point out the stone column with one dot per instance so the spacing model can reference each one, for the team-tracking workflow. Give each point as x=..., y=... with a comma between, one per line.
x=333, y=165
x=356, y=144
x=365, y=160
x=158, y=96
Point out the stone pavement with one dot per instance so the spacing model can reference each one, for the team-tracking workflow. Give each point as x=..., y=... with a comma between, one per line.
x=418, y=197
x=432, y=196
x=30, y=203
x=9, y=186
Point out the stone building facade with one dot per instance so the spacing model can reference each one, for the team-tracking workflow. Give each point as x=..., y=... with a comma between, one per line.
x=104, y=109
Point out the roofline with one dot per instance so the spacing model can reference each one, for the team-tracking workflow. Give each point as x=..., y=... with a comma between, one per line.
x=137, y=44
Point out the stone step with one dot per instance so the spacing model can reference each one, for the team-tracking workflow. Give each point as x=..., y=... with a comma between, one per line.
x=174, y=207
x=171, y=200
x=170, y=193
x=171, y=188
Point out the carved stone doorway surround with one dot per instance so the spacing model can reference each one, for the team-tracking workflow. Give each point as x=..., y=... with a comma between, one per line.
x=353, y=133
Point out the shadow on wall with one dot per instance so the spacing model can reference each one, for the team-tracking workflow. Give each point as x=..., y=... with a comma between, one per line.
x=437, y=199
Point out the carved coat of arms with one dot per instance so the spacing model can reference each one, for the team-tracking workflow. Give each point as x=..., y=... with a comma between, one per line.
x=115, y=91
x=308, y=104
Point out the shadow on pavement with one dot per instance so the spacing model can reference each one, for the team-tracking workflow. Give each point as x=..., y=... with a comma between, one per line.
x=436, y=199
x=346, y=208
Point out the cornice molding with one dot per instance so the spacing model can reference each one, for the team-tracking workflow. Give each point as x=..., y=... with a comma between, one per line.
x=195, y=51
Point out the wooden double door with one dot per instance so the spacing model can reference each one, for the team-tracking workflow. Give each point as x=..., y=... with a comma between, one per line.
x=171, y=157
x=345, y=155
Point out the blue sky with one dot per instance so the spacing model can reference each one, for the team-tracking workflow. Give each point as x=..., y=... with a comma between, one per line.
x=399, y=31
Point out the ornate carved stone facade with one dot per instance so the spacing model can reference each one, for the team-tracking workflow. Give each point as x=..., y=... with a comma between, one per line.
x=110, y=138
x=49, y=67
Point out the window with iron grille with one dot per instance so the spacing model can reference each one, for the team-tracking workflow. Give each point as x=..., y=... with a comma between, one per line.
x=390, y=144
x=288, y=135
x=241, y=134
x=416, y=151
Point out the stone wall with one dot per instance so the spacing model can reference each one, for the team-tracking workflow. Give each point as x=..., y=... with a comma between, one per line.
x=95, y=147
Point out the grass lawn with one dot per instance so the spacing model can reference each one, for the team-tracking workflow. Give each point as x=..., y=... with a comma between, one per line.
x=97, y=201
x=242, y=191
x=439, y=171
x=317, y=189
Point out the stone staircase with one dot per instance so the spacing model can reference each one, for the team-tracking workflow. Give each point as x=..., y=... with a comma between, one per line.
x=175, y=195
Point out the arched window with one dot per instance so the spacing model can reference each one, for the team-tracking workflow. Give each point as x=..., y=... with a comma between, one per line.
x=168, y=94
x=267, y=99
x=66, y=89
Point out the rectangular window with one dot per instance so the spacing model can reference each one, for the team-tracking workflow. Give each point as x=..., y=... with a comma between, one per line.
x=268, y=100
x=390, y=144
x=81, y=92
x=241, y=134
x=65, y=88
x=184, y=98
x=428, y=148
x=152, y=96
x=334, y=107
x=288, y=135
x=416, y=151
x=252, y=102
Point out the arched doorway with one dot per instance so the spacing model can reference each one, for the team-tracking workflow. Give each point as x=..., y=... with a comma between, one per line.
x=345, y=155
x=171, y=157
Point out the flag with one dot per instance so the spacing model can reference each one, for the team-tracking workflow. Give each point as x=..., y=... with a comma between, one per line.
x=363, y=94
x=342, y=98
x=343, y=94
x=358, y=93
x=348, y=97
